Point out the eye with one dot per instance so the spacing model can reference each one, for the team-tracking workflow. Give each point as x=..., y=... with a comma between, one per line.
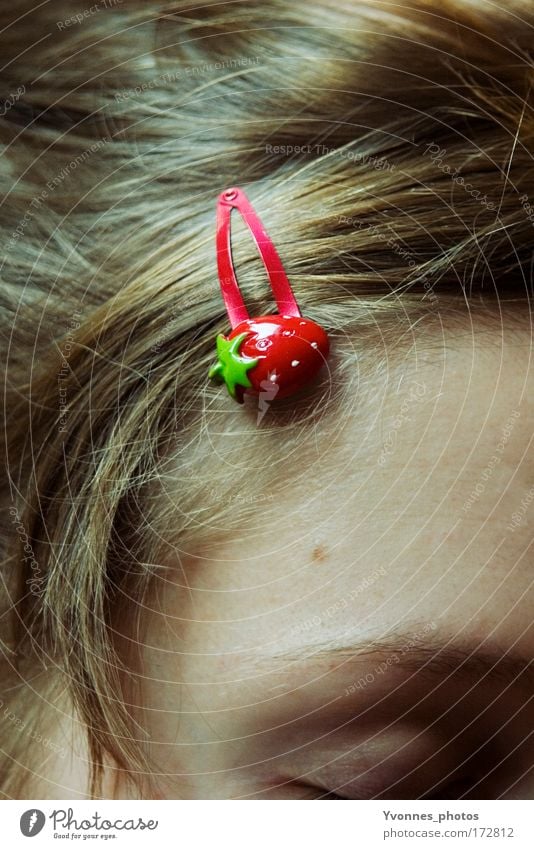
x=455, y=789
x=315, y=792
x=331, y=796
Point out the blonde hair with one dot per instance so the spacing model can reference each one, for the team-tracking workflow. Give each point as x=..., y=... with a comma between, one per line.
x=388, y=150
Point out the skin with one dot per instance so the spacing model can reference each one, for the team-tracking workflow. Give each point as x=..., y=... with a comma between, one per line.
x=357, y=648
x=371, y=637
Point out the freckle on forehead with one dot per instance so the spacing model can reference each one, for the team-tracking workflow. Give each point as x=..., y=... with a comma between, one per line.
x=319, y=554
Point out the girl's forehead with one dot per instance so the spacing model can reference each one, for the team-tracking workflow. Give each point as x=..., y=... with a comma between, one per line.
x=423, y=520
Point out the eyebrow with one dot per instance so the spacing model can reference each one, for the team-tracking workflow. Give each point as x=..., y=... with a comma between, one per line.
x=469, y=662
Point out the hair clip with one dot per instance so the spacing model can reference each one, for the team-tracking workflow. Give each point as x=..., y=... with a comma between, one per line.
x=275, y=354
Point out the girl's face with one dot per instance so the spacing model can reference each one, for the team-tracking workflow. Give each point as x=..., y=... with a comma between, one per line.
x=376, y=642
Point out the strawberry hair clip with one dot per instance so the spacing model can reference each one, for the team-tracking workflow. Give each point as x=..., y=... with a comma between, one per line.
x=278, y=354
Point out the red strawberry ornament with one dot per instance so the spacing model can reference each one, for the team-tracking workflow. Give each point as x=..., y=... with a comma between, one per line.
x=272, y=355
x=279, y=354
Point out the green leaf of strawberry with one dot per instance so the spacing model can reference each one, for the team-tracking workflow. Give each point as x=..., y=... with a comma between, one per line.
x=230, y=367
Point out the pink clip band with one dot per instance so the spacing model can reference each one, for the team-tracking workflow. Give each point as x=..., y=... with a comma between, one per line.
x=237, y=312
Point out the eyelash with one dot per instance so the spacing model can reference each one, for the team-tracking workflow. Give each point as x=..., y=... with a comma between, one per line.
x=454, y=789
